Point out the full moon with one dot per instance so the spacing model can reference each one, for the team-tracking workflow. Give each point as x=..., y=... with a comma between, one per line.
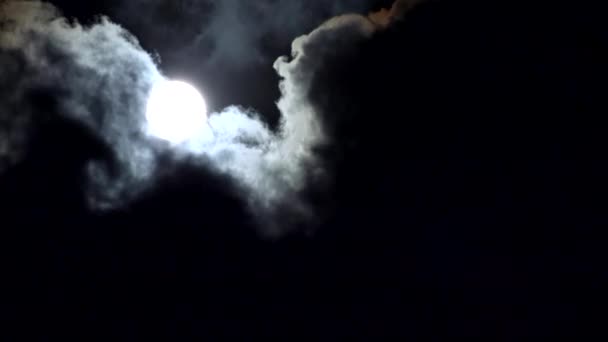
x=176, y=111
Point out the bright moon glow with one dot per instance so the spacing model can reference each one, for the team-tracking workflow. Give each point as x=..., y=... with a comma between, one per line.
x=176, y=111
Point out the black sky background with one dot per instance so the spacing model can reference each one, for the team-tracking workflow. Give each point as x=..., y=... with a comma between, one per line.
x=468, y=198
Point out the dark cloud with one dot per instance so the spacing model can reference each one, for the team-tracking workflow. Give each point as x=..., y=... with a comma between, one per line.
x=333, y=108
x=231, y=33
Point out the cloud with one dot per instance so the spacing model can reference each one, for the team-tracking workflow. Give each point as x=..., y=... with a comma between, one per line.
x=285, y=162
x=100, y=77
x=231, y=33
x=386, y=17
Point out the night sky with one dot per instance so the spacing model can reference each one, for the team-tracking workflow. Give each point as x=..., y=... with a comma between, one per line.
x=434, y=171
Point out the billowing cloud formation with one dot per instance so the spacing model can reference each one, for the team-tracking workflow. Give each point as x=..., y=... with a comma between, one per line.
x=100, y=77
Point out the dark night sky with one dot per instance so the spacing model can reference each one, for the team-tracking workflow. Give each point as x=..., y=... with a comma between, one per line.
x=468, y=180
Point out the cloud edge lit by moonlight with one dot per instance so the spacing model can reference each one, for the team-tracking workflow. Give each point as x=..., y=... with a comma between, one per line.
x=101, y=77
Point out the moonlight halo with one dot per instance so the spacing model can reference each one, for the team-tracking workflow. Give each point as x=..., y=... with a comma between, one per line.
x=176, y=111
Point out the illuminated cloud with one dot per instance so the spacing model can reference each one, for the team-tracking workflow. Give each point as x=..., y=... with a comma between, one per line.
x=100, y=76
